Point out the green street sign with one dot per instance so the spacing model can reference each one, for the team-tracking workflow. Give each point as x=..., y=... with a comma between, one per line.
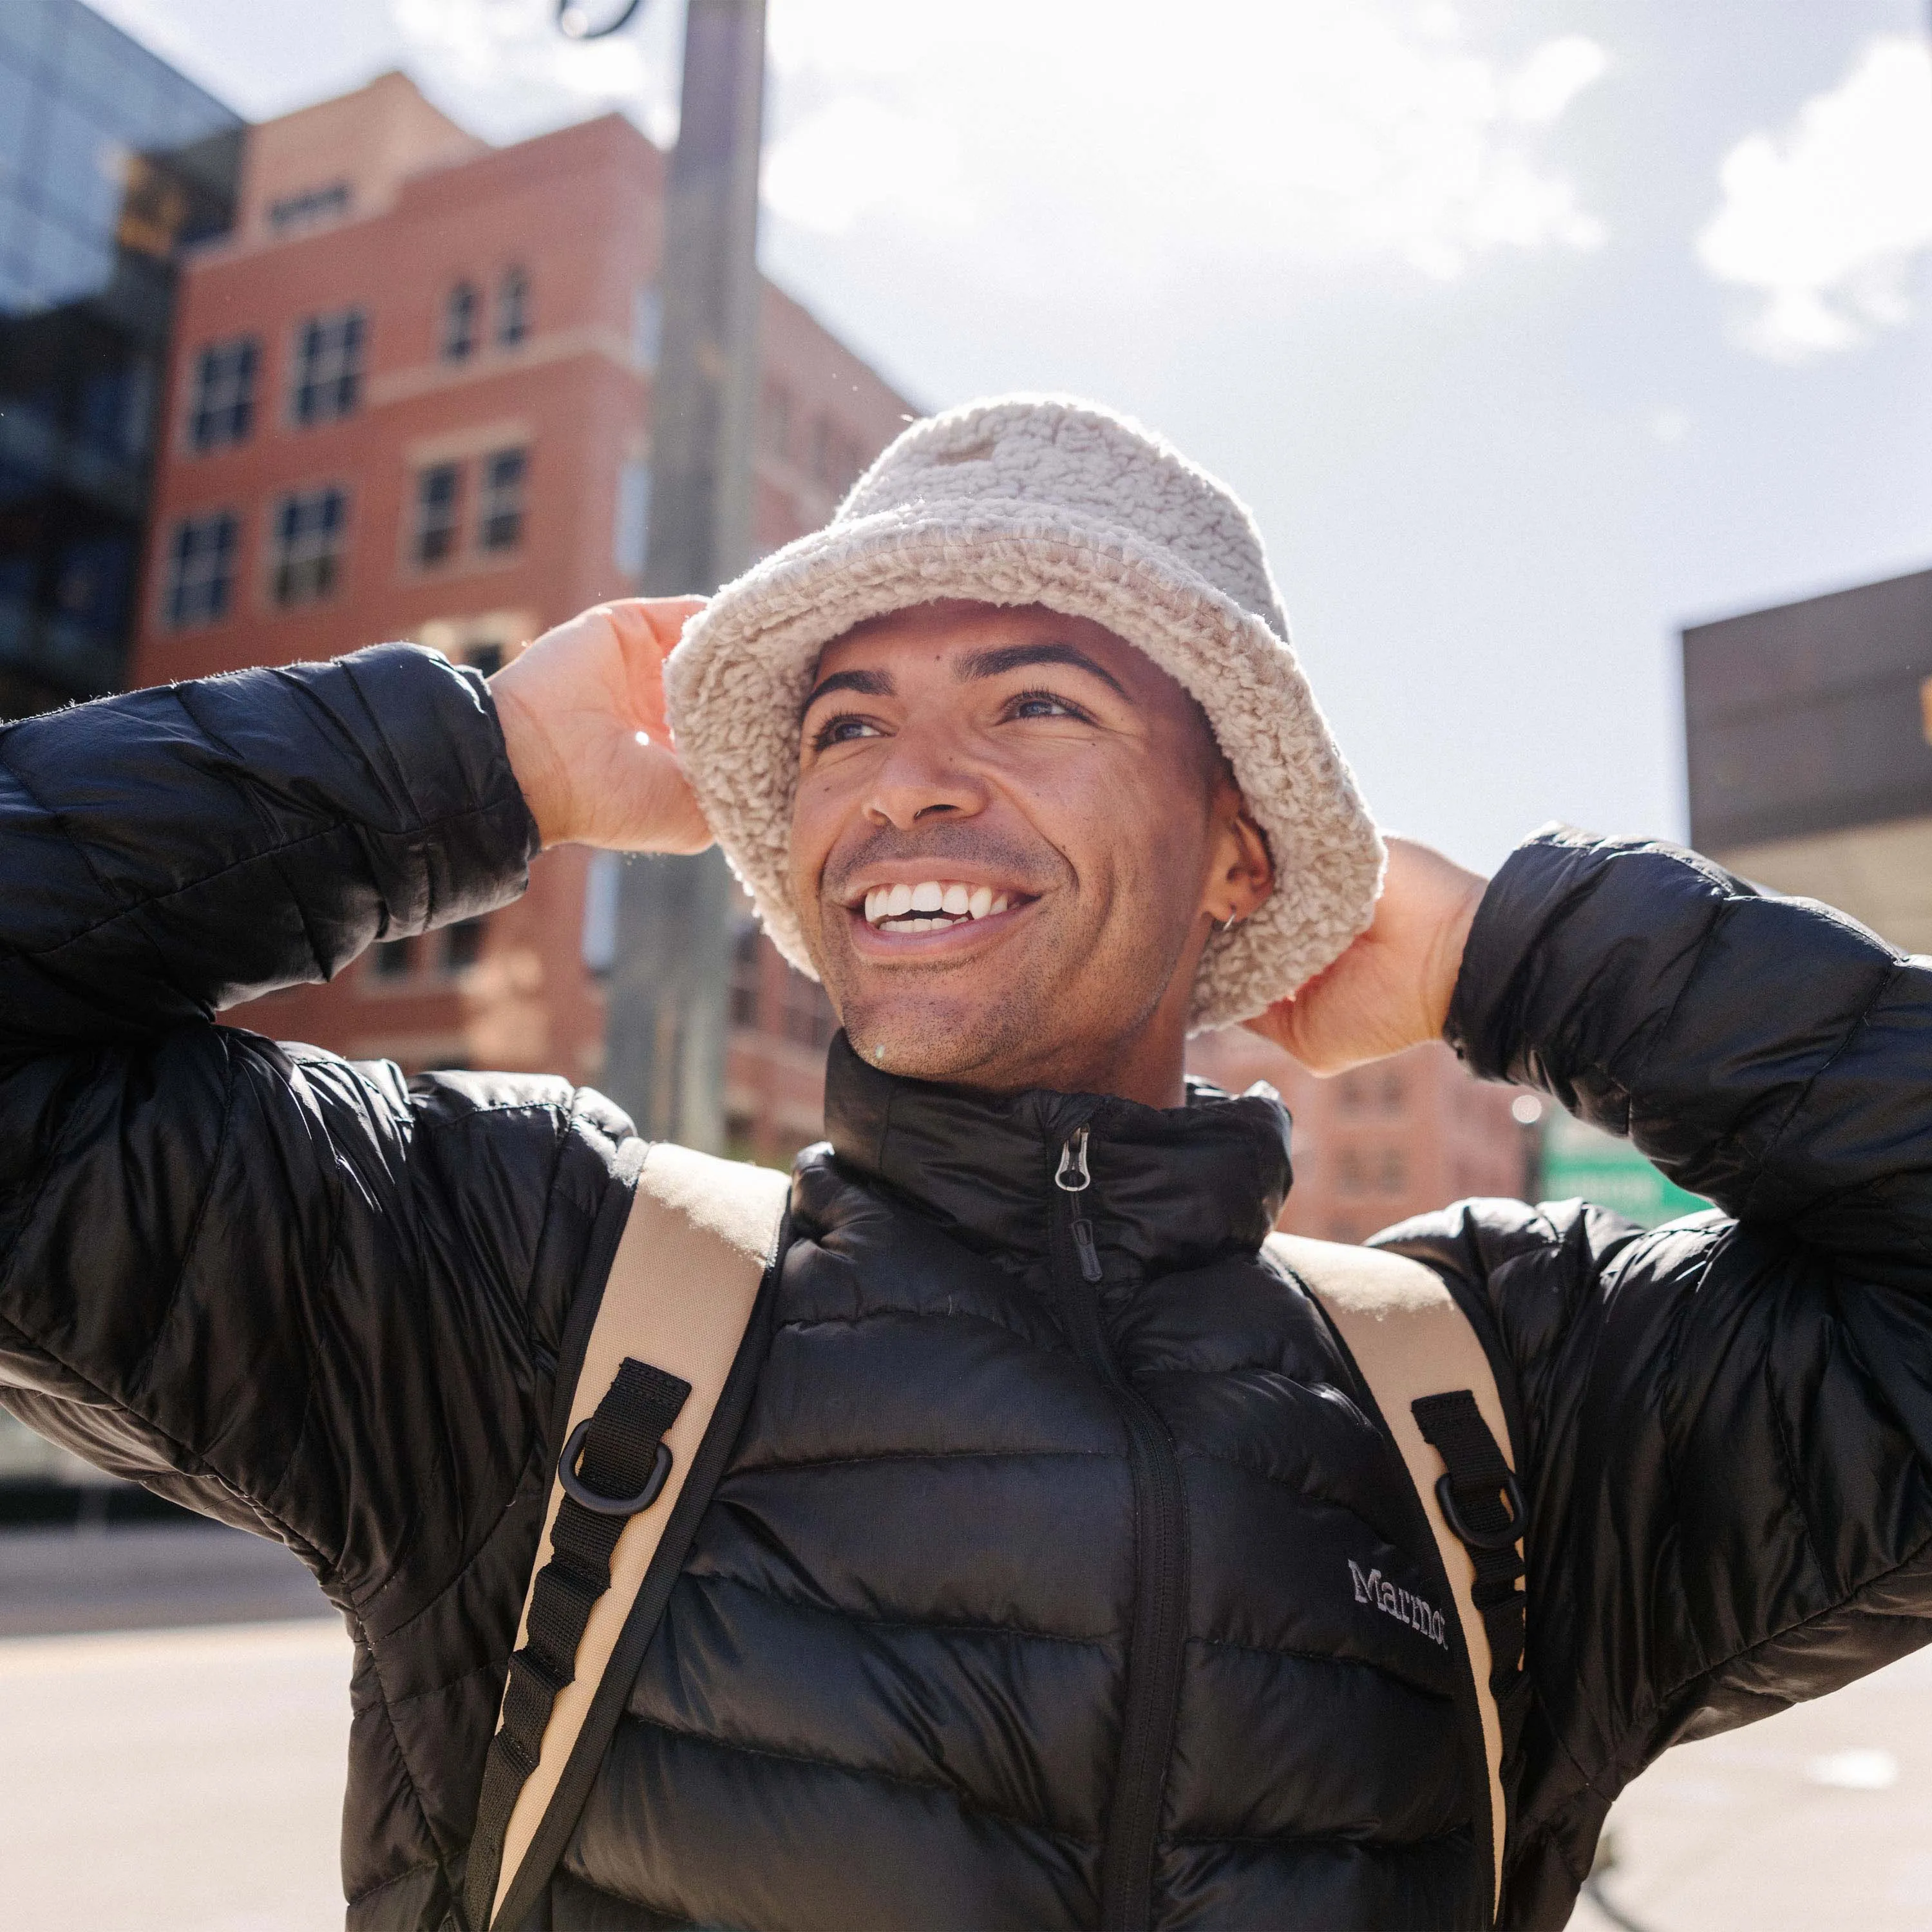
x=1581, y=1161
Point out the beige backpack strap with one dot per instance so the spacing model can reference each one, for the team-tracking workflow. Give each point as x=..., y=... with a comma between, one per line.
x=700, y=1235
x=1431, y=1378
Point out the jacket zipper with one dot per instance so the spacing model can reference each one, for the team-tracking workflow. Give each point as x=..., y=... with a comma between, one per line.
x=1158, y=1637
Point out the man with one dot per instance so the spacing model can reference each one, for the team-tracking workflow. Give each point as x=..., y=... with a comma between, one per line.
x=1024, y=1599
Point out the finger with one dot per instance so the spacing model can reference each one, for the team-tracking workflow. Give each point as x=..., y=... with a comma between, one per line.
x=647, y=630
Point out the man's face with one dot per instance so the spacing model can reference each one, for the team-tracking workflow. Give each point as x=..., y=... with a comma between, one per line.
x=1013, y=834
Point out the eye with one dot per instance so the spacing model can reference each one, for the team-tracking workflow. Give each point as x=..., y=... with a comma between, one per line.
x=1044, y=704
x=842, y=728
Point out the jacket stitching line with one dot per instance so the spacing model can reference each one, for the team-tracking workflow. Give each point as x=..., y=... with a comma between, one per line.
x=708, y=1579
x=268, y=852
x=1286, y=1839
x=383, y=1884
x=445, y=1844
x=491, y=1666
x=925, y=1456
x=969, y=1805
x=1044, y=1345
x=1909, y=1561
x=1882, y=985
x=1787, y=1456
x=1388, y=1671
x=1294, y=1488
x=138, y=1369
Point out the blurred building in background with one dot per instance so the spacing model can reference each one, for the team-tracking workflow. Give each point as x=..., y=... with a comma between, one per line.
x=1376, y=1145
x=1808, y=736
x=409, y=397
x=111, y=164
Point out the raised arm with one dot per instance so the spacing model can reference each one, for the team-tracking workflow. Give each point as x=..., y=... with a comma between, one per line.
x=1728, y=1422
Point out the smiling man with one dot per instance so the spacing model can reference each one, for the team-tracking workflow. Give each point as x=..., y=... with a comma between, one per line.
x=1060, y=1572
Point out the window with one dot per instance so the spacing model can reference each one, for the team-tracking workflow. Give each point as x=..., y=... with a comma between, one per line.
x=513, y=308
x=499, y=522
x=222, y=409
x=459, y=322
x=821, y=450
x=392, y=959
x=438, y=489
x=328, y=376
x=747, y=975
x=1392, y=1092
x=311, y=205
x=1394, y=1171
x=463, y=944
x=309, y=529
x=630, y=534
x=201, y=569
x=486, y=658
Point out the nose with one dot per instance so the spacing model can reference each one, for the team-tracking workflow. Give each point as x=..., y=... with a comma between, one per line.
x=922, y=777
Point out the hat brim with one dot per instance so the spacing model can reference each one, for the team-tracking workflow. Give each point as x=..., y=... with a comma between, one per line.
x=739, y=678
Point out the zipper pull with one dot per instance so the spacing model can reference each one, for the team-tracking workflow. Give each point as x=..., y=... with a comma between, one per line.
x=1072, y=1178
x=1083, y=1239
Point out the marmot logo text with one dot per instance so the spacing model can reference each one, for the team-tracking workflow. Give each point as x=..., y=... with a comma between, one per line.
x=1376, y=1588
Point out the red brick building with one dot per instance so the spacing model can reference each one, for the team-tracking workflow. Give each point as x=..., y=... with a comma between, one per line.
x=1376, y=1145
x=409, y=397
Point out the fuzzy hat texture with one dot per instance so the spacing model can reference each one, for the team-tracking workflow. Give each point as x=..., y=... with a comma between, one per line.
x=1036, y=500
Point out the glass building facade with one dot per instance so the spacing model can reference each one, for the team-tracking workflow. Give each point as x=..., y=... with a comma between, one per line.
x=110, y=164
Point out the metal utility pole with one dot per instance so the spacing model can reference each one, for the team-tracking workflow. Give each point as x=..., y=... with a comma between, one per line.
x=669, y=987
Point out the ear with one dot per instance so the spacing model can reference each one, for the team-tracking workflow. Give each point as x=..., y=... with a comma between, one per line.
x=1240, y=874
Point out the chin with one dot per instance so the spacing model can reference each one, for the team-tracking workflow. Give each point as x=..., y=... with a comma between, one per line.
x=926, y=1044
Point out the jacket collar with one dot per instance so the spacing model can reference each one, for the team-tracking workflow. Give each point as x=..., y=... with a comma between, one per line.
x=1172, y=1187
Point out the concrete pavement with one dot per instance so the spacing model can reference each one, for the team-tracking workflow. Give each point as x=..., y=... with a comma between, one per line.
x=174, y=1781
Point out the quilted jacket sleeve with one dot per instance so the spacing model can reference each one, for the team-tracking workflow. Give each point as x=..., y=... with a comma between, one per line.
x=294, y=1292
x=1728, y=1421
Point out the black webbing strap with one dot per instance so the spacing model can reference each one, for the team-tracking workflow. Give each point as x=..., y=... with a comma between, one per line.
x=613, y=1467
x=1483, y=1506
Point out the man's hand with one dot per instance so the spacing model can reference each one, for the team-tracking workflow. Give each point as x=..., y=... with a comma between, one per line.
x=1391, y=989
x=583, y=713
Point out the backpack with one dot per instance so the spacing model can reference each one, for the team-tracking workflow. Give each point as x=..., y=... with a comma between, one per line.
x=664, y=1380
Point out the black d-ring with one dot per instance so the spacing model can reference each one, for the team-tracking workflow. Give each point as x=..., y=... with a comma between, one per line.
x=576, y=1489
x=1485, y=1539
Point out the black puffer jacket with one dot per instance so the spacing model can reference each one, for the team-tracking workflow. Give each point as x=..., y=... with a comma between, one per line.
x=1011, y=1598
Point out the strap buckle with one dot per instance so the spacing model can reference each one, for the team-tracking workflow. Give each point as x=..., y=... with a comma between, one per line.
x=580, y=1492
x=1502, y=1538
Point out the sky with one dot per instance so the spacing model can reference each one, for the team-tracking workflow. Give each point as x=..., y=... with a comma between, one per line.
x=1532, y=330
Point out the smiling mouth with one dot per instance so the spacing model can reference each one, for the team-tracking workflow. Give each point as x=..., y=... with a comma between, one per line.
x=933, y=905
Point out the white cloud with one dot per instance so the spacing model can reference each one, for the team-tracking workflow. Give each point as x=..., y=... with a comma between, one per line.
x=503, y=66
x=1322, y=130
x=1075, y=135
x=1823, y=221
x=855, y=155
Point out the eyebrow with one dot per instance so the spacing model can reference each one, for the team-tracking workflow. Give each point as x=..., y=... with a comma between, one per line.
x=976, y=664
x=1016, y=657
x=866, y=683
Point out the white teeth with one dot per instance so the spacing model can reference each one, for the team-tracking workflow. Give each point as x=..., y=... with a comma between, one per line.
x=887, y=907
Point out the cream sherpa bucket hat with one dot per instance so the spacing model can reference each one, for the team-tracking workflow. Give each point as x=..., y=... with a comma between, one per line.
x=1037, y=499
